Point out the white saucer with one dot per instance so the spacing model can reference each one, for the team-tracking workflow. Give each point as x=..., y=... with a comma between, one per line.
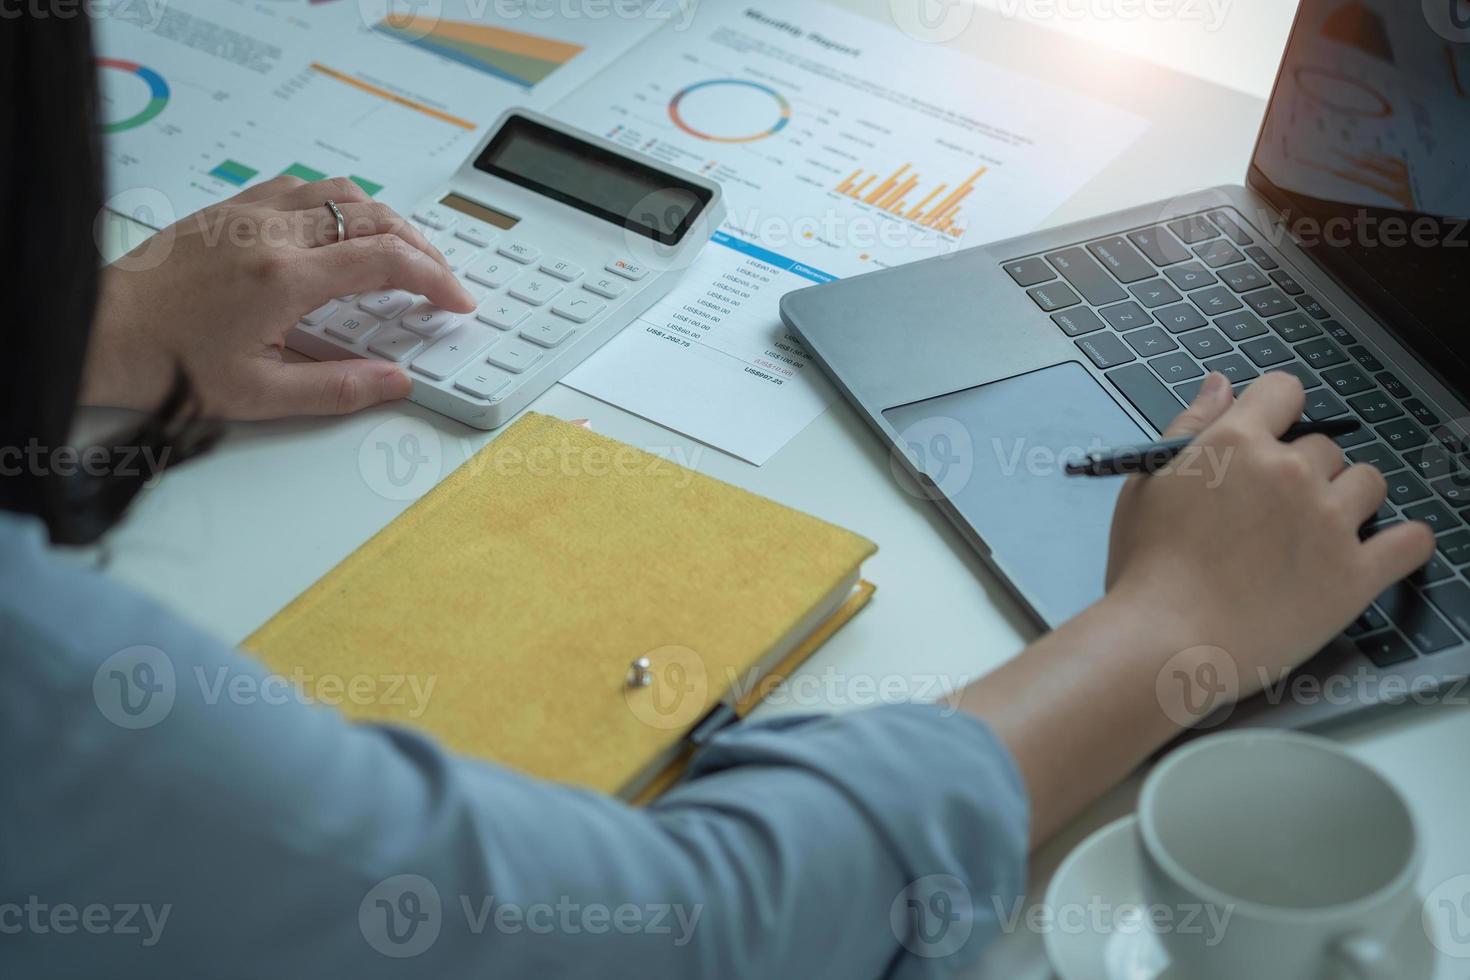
x=1103, y=875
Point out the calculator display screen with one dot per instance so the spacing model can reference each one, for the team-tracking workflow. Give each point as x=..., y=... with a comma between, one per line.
x=599, y=182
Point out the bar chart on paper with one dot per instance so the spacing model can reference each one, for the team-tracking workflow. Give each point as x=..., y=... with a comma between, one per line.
x=895, y=194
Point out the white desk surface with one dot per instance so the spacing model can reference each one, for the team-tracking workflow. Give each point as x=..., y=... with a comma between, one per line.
x=230, y=539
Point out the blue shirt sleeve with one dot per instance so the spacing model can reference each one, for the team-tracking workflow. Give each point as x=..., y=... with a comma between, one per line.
x=171, y=810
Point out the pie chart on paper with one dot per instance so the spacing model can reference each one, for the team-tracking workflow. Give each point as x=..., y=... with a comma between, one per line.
x=730, y=110
x=131, y=94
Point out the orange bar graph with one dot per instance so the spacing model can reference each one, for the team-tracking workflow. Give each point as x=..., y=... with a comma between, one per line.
x=893, y=192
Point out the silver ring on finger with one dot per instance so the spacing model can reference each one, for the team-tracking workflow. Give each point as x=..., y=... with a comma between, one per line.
x=341, y=221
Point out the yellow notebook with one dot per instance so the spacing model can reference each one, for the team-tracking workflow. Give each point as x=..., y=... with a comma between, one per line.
x=573, y=607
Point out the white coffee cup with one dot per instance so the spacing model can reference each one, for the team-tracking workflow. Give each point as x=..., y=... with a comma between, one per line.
x=1302, y=858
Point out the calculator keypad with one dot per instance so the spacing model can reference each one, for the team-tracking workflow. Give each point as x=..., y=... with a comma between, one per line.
x=533, y=303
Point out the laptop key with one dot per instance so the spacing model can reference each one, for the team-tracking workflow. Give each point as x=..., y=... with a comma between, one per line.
x=1219, y=253
x=1122, y=259
x=1269, y=302
x=1205, y=343
x=1402, y=434
x=1231, y=227
x=1266, y=352
x=1243, y=278
x=1126, y=316
x=1234, y=367
x=1155, y=293
x=1392, y=385
x=1144, y=392
x=1054, y=296
x=1314, y=309
x=1376, y=454
x=1261, y=257
x=1105, y=350
x=1294, y=328
x=1453, y=489
x=1322, y=354
x=1456, y=549
x=1375, y=407
x=1439, y=517
x=1386, y=649
x=1240, y=325
x=1160, y=245
x=1029, y=272
x=1452, y=599
x=1191, y=275
x=1322, y=405
x=1174, y=368
x=1404, y=489
x=1288, y=285
x=1353, y=439
x=1194, y=229
x=1365, y=358
x=1430, y=462
x=1180, y=317
x=1075, y=323
x=1338, y=332
x=1421, y=412
x=1436, y=570
x=1150, y=341
x=1215, y=300
x=1086, y=276
x=1416, y=617
x=1347, y=380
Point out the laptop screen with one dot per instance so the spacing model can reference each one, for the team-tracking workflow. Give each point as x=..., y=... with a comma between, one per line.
x=1366, y=151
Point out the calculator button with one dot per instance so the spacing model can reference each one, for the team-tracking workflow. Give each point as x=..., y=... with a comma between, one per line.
x=396, y=344
x=628, y=270
x=493, y=272
x=319, y=314
x=514, y=357
x=454, y=350
x=436, y=218
x=476, y=233
x=457, y=253
x=389, y=304
x=484, y=381
x=428, y=320
x=537, y=290
x=521, y=252
x=563, y=270
x=611, y=288
x=547, y=331
x=351, y=326
x=502, y=313
x=579, y=307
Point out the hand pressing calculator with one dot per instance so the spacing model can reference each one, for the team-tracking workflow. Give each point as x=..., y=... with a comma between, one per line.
x=564, y=238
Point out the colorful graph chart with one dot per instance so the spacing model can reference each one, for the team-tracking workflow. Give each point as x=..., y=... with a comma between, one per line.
x=157, y=99
x=710, y=111
x=894, y=193
x=521, y=59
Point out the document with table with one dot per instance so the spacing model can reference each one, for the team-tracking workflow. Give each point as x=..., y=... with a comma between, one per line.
x=833, y=162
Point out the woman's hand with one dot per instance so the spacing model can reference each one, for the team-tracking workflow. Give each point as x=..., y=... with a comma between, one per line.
x=1250, y=545
x=1244, y=553
x=236, y=277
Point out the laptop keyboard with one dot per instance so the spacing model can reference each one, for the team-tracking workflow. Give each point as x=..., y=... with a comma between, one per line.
x=1155, y=309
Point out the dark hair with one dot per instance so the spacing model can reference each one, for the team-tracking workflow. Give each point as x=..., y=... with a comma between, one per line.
x=50, y=199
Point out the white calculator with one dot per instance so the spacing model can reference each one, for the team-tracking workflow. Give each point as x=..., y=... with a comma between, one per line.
x=563, y=237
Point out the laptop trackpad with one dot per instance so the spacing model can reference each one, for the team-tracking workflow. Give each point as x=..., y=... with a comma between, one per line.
x=998, y=451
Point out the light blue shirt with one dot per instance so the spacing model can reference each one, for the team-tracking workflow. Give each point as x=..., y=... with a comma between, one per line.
x=155, y=823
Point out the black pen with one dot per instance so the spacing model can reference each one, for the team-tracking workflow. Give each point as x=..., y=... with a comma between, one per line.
x=1153, y=456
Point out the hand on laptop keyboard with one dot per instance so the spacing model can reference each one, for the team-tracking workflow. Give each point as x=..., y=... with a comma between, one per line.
x=1252, y=545
x=217, y=292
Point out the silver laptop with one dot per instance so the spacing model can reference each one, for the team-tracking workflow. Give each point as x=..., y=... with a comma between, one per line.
x=1345, y=260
